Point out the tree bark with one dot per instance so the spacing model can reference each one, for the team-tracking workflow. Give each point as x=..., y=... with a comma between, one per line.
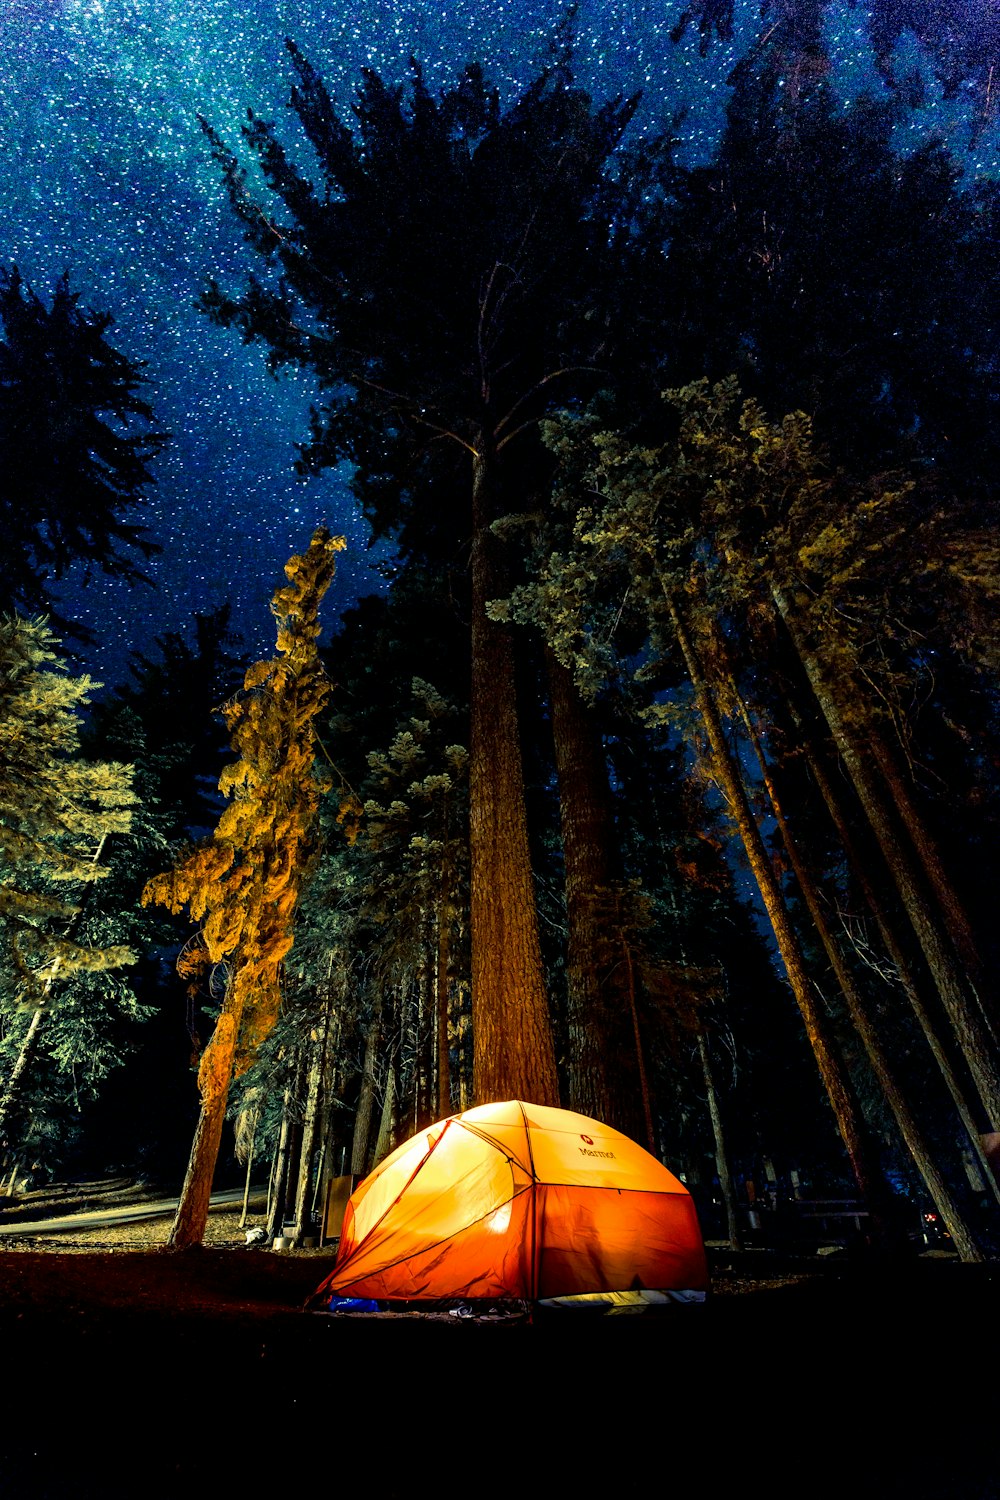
x=363, y=1115
x=601, y=1070
x=250, y=1161
x=836, y=1081
x=310, y=1135
x=513, y=1051
x=276, y=1216
x=965, y=1016
x=383, y=1141
x=192, y=1211
x=442, y=983
x=721, y=1157
x=215, y=1075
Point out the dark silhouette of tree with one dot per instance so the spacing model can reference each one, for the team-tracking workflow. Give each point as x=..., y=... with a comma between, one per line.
x=76, y=438
x=455, y=274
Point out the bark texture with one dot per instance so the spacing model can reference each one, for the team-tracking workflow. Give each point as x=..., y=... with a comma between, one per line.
x=602, y=1064
x=513, y=1052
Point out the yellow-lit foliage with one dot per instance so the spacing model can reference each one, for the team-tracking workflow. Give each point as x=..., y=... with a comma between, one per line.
x=242, y=885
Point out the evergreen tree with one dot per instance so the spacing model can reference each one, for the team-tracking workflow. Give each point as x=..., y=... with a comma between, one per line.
x=243, y=884
x=460, y=268
x=75, y=443
x=56, y=813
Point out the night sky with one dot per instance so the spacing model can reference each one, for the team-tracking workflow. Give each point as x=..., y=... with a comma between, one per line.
x=107, y=176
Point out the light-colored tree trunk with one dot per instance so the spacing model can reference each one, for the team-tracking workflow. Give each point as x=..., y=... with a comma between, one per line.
x=276, y=1216
x=250, y=1162
x=721, y=1158
x=310, y=1136
x=20, y=1067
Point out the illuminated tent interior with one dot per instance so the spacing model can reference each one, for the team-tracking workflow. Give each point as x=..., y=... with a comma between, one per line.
x=518, y=1201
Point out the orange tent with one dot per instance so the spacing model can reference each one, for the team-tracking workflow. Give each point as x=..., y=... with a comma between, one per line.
x=520, y=1201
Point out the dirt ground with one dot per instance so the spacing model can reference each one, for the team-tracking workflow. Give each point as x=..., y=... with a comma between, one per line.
x=130, y=1370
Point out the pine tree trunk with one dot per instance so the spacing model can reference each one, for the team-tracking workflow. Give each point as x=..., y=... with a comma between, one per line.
x=246, y=1181
x=839, y=1089
x=279, y=1198
x=601, y=1066
x=894, y=950
x=513, y=1051
x=721, y=1157
x=383, y=1141
x=957, y=923
x=363, y=1116
x=642, y=1073
x=965, y=1017
x=215, y=1075
x=20, y=1066
x=192, y=1211
x=916, y=1142
x=310, y=1135
x=442, y=981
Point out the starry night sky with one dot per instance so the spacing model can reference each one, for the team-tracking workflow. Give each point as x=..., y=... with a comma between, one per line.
x=107, y=176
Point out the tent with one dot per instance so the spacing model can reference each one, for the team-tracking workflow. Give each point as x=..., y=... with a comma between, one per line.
x=520, y=1201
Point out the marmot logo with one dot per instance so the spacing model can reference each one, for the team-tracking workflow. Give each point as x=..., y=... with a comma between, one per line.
x=588, y=1138
x=605, y=1155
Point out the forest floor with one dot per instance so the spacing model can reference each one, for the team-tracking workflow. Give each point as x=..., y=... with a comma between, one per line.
x=130, y=1370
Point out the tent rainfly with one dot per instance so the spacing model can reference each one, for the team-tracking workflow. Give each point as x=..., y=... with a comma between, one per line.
x=519, y=1201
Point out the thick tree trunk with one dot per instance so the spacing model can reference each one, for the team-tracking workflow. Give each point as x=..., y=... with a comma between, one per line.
x=836, y=1081
x=215, y=1075
x=601, y=1066
x=721, y=1156
x=513, y=1052
x=192, y=1212
x=963, y=1011
x=916, y=1142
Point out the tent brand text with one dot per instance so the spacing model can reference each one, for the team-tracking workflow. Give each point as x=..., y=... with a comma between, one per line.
x=585, y=1151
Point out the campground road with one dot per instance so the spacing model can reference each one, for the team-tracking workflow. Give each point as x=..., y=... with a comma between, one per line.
x=103, y=1218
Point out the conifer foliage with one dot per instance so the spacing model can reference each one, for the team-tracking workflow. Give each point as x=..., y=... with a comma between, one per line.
x=242, y=885
x=56, y=811
x=76, y=438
